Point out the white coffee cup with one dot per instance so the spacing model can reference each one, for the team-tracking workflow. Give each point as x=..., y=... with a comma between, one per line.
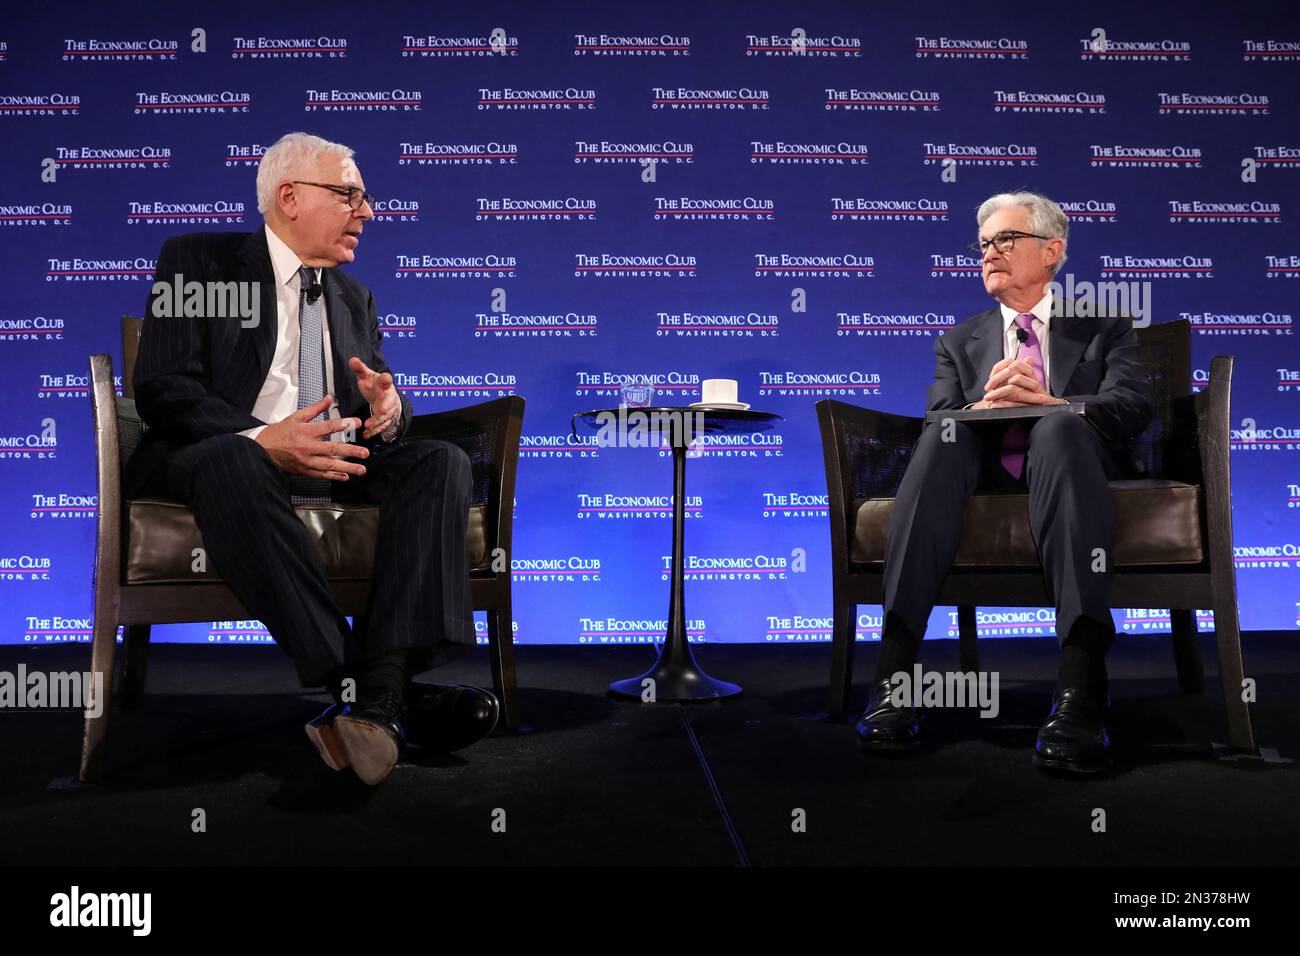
x=719, y=391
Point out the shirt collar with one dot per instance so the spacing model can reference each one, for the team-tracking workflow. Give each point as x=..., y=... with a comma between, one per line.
x=1042, y=311
x=284, y=261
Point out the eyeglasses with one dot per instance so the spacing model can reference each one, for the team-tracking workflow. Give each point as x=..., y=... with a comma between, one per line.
x=356, y=195
x=1002, y=242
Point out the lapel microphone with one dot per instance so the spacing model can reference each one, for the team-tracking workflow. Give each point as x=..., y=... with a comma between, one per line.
x=313, y=290
x=1021, y=334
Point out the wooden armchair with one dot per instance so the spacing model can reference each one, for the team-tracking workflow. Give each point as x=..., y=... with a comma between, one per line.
x=1173, y=527
x=143, y=549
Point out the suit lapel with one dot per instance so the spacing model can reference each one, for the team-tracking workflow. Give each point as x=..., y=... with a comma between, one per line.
x=342, y=347
x=985, y=350
x=255, y=266
x=1069, y=337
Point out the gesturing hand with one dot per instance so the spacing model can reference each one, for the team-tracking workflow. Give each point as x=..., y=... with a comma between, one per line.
x=1012, y=382
x=377, y=389
x=302, y=447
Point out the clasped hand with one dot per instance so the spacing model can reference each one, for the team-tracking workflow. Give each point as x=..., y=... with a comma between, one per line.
x=1012, y=382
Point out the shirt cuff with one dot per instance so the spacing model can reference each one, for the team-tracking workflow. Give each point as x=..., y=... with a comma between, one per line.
x=251, y=432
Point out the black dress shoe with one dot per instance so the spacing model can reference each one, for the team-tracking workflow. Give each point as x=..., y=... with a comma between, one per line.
x=885, y=727
x=1074, y=735
x=321, y=732
x=443, y=718
x=371, y=733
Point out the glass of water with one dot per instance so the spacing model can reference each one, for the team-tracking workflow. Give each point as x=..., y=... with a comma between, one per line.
x=637, y=392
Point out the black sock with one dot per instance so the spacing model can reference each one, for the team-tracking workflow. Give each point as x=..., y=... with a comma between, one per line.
x=898, y=648
x=1083, y=658
x=387, y=672
x=334, y=683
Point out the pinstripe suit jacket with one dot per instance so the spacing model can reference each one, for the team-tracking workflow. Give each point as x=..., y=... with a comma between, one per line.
x=196, y=377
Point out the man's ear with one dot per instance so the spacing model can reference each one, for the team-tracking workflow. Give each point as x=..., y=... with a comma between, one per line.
x=287, y=200
x=1053, y=252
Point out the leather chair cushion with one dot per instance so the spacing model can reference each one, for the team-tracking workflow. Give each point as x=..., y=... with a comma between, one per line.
x=1156, y=522
x=162, y=536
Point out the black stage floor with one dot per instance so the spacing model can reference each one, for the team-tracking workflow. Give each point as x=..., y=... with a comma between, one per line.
x=600, y=781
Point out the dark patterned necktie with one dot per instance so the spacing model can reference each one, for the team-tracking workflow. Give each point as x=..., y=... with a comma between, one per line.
x=311, y=378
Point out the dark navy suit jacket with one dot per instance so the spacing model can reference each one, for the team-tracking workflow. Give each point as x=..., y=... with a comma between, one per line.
x=1093, y=361
x=197, y=377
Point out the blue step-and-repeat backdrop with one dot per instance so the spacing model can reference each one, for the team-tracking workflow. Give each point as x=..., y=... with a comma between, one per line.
x=648, y=187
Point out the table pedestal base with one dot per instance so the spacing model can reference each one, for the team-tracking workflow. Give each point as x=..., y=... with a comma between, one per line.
x=676, y=677
x=675, y=683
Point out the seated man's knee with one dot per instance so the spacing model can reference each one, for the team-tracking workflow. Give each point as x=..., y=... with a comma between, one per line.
x=451, y=459
x=1061, y=431
x=235, y=455
x=1064, y=444
x=235, y=463
x=458, y=466
x=949, y=437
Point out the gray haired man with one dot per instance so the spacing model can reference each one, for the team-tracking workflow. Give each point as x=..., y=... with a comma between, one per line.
x=1022, y=352
x=244, y=426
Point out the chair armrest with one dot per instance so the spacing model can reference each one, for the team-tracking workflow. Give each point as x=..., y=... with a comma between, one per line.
x=489, y=434
x=472, y=418
x=1198, y=439
x=865, y=453
x=108, y=470
x=1214, y=423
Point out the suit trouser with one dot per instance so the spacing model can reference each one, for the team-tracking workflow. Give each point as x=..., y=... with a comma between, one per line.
x=1070, y=516
x=420, y=597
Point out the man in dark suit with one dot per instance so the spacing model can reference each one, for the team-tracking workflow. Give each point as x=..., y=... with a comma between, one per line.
x=248, y=417
x=1021, y=353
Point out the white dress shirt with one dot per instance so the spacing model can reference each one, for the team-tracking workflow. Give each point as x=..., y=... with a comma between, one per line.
x=1042, y=324
x=278, y=398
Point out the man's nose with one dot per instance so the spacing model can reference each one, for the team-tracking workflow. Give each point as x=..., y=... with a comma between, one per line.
x=364, y=211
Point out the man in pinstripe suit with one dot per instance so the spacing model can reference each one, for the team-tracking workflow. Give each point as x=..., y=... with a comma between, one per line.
x=245, y=422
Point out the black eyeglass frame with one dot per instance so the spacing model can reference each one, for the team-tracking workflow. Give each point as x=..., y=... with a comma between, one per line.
x=1007, y=236
x=351, y=192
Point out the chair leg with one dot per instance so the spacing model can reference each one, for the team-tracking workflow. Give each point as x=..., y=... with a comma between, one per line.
x=501, y=650
x=1187, y=651
x=843, y=637
x=95, y=732
x=135, y=666
x=1227, y=635
x=968, y=640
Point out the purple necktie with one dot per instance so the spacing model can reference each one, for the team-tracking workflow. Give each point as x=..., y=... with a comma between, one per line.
x=1015, y=439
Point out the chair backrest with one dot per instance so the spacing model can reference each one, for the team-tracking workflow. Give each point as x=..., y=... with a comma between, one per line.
x=131, y=329
x=1165, y=352
x=480, y=443
x=489, y=434
x=130, y=427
